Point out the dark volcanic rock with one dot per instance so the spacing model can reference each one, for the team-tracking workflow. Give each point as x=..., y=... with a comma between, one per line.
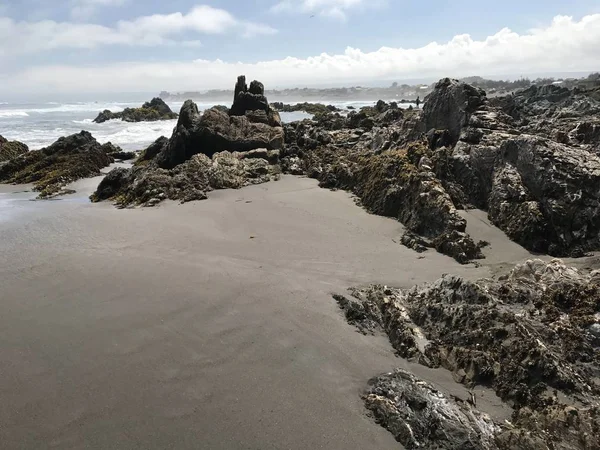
x=11, y=149
x=245, y=99
x=151, y=111
x=214, y=132
x=51, y=168
x=148, y=184
x=450, y=105
x=154, y=149
x=526, y=335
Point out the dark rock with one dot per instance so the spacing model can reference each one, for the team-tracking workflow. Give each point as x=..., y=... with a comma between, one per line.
x=245, y=99
x=151, y=111
x=154, y=149
x=11, y=149
x=215, y=132
x=148, y=184
x=450, y=105
x=112, y=184
x=52, y=168
x=525, y=335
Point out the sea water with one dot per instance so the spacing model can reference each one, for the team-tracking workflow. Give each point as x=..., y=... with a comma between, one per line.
x=39, y=125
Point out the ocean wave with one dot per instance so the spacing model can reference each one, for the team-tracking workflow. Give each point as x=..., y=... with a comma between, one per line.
x=84, y=121
x=9, y=113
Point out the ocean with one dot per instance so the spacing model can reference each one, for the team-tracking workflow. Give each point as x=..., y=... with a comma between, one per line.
x=39, y=125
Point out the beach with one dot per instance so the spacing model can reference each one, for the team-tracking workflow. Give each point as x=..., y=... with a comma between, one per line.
x=204, y=325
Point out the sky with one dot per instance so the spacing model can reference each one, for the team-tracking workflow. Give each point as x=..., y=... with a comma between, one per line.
x=104, y=46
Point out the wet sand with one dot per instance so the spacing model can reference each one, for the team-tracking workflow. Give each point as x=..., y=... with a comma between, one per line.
x=205, y=325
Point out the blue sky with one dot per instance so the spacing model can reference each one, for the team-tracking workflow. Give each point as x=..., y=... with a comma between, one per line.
x=184, y=44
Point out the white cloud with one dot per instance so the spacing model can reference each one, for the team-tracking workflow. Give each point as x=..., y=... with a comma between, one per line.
x=564, y=45
x=336, y=9
x=158, y=29
x=84, y=9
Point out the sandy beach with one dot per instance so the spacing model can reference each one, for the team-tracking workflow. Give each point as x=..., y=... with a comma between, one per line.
x=204, y=325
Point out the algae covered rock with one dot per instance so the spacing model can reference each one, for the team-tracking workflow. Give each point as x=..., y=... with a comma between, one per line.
x=11, y=149
x=151, y=111
x=51, y=168
x=526, y=335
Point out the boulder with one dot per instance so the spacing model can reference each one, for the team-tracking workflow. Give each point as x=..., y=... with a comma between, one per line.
x=450, y=105
x=153, y=149
x=11, y=149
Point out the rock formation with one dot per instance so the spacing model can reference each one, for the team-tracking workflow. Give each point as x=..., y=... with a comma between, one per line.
x=214, y=150
x=531, y=336
x=542, y=188
x=11, y=149
x=151, y=111
x=52, y=168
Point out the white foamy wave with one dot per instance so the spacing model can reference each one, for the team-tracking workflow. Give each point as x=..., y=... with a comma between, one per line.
x=84, y=121
x=6, y=114
x=132, y=136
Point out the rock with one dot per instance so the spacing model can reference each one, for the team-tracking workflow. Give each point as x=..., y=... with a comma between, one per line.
x=148, y=185
x=11, y=149
x=112, y=184
x=153, y=149
x=52, y=168
x=214, y=132
x=310, y=108
x=154, y=110
x=421, y=417
x=245, y=99
x=450, y=106
x=526, y=335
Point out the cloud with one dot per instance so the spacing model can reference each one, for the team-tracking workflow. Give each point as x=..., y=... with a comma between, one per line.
x=564, y=45
x=84, y=9
x=158, y=29
x=336, y=9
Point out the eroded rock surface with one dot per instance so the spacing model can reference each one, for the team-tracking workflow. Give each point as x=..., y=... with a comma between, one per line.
x=528, y=335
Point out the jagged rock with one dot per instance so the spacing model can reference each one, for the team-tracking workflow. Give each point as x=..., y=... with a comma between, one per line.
x=526, y=335
x=245, y=99
x=148, y=184
x=11, y=149
x=52, y=168
x=154, y=110
x=215, y=132
x=421, y=417
x=450, y=106
x=153, y=149
x=112, y=183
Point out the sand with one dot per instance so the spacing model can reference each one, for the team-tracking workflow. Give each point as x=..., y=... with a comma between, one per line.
x=205, y=325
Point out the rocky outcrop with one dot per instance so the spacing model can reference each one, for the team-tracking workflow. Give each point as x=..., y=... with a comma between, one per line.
x=52, y=168
x=528, y=335
x=310, y=108
x=540, y=189
x=11, y=149
x=219, y=149
x=214, y=132
x=151, y=111
x=148, y=185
